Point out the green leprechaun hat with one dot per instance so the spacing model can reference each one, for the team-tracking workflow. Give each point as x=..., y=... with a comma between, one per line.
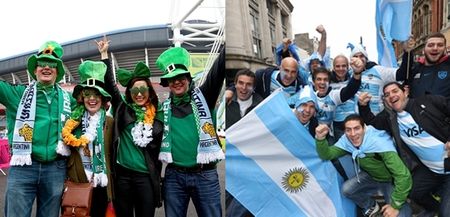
x=92, y=75
x=49, y=51
x=173, y=62
x=140, y=71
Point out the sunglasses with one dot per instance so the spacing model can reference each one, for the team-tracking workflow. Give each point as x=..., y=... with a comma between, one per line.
x=44, y=64
x=177, y=78
x=88, y=93
x=137, y=90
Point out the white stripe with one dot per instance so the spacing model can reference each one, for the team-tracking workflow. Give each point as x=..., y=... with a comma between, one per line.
x=313, y=200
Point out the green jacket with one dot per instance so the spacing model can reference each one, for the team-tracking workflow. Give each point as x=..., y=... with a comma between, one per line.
x=382, y=167
x=46, y=119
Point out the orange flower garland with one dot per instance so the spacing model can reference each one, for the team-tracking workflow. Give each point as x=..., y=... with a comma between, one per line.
x=69, y=138
x=149, y=114
x=143, y=128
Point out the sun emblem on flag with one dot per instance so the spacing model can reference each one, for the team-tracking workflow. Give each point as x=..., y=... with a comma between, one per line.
x=295, y=180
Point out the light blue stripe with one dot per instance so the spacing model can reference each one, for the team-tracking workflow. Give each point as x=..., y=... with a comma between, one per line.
x=432, y=153
x=269, y=200
x=300, y=143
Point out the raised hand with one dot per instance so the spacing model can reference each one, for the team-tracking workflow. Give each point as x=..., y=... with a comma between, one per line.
x=409, y=44
x=320, y=29
x=364, y=98
x=103, y=45
x=322, y=131
x=357, y=65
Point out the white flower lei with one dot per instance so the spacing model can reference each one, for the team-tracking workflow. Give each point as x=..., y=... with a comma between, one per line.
x=142, y=133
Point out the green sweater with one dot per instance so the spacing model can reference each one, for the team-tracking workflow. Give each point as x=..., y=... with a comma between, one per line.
x=45, y=135
x=382, y=167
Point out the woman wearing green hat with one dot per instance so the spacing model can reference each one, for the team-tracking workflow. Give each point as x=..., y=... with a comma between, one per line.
x=88, y=132
x=136, y=141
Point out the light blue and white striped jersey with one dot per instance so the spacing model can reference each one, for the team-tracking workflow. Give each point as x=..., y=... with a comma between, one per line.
x=372, y=81
x=429, y=149
x=327, y=106
x=346, y=108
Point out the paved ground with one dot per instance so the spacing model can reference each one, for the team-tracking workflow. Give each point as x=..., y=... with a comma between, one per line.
x=159, y=212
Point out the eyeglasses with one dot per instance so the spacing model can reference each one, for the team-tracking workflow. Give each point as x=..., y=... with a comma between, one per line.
x=87, y=93
x=137, y=90
x=44, y=64
x=177, y=78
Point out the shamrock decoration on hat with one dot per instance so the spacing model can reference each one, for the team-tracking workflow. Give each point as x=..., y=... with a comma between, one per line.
x=92, y=75
x=173, y=62
x=140, y=71
x=49, y=51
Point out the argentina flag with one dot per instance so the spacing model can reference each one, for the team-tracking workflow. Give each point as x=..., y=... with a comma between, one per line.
x=393, y=21
x=273, y=169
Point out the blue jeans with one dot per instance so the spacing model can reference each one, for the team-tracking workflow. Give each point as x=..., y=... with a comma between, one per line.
x=361, y=192
x=426, y=182
x=203, y=187
x=43, y=181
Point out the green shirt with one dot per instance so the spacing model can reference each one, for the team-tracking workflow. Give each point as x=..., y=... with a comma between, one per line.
x=184, y=135
x=382, y=167
x=130, y=155
x=45, y=135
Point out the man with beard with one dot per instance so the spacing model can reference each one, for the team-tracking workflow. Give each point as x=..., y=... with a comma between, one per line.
x=429, y=75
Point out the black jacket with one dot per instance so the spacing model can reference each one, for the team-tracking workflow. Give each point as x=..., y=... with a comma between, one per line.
x=125, y=115
x=433, y=79
x=431, y=112
x=233, y=112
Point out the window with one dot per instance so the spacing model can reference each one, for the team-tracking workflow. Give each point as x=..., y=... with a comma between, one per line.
x=269, y=5
x=254, y=25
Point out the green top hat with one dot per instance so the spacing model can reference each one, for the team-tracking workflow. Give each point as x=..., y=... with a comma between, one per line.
x=173, y=62
x=140, y=71
x=52, y=51
x=92, y=75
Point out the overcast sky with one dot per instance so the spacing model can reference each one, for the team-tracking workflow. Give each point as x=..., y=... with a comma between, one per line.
x=344, y=20
x=26, y=24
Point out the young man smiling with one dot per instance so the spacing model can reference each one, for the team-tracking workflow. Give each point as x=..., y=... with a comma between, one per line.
x=36, y=114
x=431, y=74
x=421, y=129
x=377, y=165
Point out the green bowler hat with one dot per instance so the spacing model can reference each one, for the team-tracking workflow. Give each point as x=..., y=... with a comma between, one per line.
x=92, y=75
x=50, y=51
x=173, y=62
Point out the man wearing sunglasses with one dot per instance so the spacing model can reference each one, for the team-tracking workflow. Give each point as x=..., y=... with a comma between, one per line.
x=190, y=145
x=35, y=115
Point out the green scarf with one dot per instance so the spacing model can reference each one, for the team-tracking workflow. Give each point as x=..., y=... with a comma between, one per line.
x=97, y=149
x=208, y=148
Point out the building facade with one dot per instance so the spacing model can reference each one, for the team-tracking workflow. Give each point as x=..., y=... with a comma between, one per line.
x=254, y=28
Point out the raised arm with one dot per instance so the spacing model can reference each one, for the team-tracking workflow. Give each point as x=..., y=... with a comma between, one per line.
x=353, y=85
x=213, y=84
x=380, y=121
x=323, y=40
x=404, y=72
x=110, y=83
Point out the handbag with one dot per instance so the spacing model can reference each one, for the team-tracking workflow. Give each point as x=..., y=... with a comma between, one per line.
x=76, y=200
